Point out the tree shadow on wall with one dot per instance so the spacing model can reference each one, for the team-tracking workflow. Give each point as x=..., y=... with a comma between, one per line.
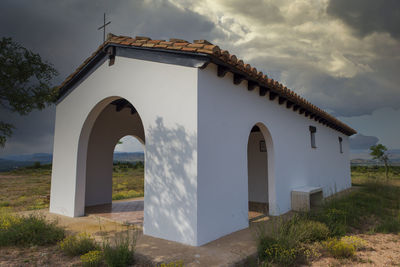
x=171, y=182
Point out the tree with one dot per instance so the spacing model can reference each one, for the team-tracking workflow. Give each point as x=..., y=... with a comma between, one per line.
x=379, y=152
x=24, y=82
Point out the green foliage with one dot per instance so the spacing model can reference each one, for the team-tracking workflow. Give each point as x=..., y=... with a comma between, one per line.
x=24, y=82
x=375, y=203
x=339, y=249
x=28, y=230
x=127, y=194
x=171, y=264
x=281, y=254
x=93, y=258
x=308, y=231
x=4, y=204
x=128, y=180
x=374, y=207
x=36, y=165
x=286, y=244
x=355, y=241
x=28, y=188
x=335, y=219
x=75, y=245
x=389, y=225
x=379, y=152
x=120, y=253
x=5, y=131
x=361, y=173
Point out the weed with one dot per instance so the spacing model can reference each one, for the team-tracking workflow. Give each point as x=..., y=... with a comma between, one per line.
x=4, y=204
x=75, y=245
x=285, y=244
x=339, y=249
x=92, y=258
x=355, y=241
x=301, y=229
x=281, y=254
x=28, y=230
x=120, y=252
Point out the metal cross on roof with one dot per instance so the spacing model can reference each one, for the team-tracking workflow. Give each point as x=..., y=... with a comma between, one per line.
x=104, y=27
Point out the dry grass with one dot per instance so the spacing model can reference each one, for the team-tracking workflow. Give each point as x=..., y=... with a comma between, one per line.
x=29, y=188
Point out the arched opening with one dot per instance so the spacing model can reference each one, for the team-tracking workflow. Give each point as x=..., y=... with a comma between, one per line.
x=258, y=146
x=107, y=180
x=128, y=169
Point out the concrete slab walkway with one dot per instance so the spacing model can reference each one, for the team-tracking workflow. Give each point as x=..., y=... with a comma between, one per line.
x=128, y=212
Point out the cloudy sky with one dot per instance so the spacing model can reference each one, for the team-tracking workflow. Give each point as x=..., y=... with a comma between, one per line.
x=341, y=55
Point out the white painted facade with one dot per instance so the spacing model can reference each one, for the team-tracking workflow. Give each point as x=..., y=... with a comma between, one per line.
x=196, y=129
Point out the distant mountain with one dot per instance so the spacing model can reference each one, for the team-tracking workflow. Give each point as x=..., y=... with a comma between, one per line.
x=41, y=157
x=10, y=162
x=128, y=157
x=7, y=165
x=363, y=157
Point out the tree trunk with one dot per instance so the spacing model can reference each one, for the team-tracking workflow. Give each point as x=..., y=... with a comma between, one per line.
x=387, y=171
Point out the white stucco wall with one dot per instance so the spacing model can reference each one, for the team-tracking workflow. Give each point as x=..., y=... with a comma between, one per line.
x=257, y=165
x=227, y=112
x=165, y=96
x=196, y=128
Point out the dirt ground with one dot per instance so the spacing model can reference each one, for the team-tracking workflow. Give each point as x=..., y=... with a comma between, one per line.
x=35, y=256
x=381, y=250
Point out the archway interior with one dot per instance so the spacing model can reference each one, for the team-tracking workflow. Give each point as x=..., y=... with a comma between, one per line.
x=257, y=163
x=118, y=119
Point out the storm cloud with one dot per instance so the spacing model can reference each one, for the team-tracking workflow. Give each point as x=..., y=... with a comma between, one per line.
x=362, y=142
x=368, y=16
x=341, y=55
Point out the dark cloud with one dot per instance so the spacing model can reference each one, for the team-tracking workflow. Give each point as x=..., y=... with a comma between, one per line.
x=65, y=33
x=368, y=16
x=362, y=142
x=256, y=10
x=360, y=94
x=291, y=41
x=33, y=133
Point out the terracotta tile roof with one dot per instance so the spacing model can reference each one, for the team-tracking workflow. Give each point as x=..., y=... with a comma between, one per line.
x=222, y=56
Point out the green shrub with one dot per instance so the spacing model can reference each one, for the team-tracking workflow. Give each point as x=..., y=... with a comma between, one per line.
x=335, y=219
x=75, y=245
x=281, y=254
x=355, y=241
x=389, y=225
x=93, y=258
x=315, y=231
x=301, y=229
x=28, y=230
x=339, y=248
x=121, y=252
x=285, y=244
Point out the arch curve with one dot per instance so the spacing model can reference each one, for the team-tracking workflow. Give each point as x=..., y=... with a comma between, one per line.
x=260, y=170
x=105, y=124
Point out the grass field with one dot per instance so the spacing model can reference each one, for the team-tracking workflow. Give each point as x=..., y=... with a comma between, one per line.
x=361, y=173
x=334, y=233
x=369, y=215
x=29, y=188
